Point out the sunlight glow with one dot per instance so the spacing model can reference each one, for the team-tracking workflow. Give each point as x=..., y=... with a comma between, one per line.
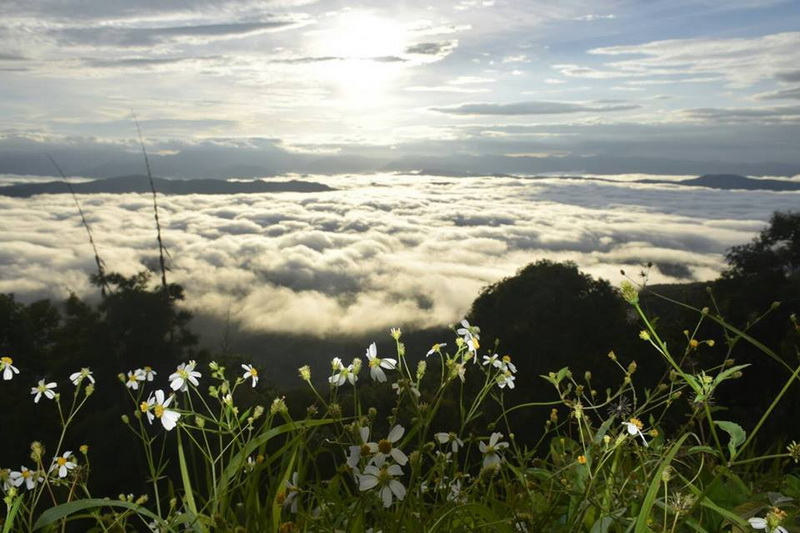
x=369, y=51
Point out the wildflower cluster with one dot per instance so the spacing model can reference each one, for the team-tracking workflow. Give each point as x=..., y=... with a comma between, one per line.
x=421, y=444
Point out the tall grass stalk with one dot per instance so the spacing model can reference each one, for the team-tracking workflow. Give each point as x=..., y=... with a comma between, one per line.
x=101, y=274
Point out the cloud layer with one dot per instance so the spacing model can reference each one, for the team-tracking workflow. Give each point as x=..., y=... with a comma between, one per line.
x=382, y=250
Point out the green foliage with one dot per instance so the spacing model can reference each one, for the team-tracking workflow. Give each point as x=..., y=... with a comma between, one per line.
x=608, y=462
x=775, y=253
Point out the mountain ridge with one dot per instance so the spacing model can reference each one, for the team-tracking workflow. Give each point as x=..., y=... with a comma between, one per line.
x=141, y=184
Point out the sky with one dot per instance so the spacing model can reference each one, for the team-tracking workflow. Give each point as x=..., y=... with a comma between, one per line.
x=359, y=95
x=250, y=88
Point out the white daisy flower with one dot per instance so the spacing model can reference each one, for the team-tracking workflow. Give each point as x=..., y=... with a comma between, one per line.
x=291, y=496
x=132, y=382
x=342, y=373
x=385, y=447
x=29, y=477
x=634, y=427
x=63, y=464
x=361, y=449
x=8, y=368
x=43, y=388
x=771, y=523
x=77, y=377
x=250, y=372
x=467, y=331
x=505, y=379
x=156, y=407
x=383, y=479
x=376, y=364
x=147, y=372
x=436, y=348
x=490, y=451
x=451, y=438
x=185, y=374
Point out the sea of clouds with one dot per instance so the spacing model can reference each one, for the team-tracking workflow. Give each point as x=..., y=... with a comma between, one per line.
x=379, y=251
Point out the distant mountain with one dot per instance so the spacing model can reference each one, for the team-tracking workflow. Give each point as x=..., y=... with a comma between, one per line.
x=141, y=184
x=733, y=182
x=711, y=181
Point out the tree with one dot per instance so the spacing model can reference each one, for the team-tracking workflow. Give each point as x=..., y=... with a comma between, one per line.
x=548, y=316
x=774, y=253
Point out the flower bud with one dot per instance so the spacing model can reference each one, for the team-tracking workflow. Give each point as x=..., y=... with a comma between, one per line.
x=278, y=406
x=421, y=367
x=629, y=293
x=37, y=451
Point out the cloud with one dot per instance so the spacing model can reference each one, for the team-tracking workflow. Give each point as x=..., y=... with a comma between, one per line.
x=788, y=75
x=436, y=50
x=777, y=114
x=792, y=93
x=147, y=37
x=381, y=250
x=535, y=108
x=742, y=61
x=594, y=16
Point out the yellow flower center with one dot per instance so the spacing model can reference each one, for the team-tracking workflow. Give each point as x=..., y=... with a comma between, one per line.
x=384, y=446
x=506, y=358
x=148, y=369
x=636, y=422
x=253, y=372
x=61, y=461
x=7, y=360
x=144, y=407
x=25, y=474
x=158, y=410
x=374, y=362
x=364, y=449
x=582, y=459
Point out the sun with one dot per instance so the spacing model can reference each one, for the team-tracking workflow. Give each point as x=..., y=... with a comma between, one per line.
x=360, y=34
x=366, y=55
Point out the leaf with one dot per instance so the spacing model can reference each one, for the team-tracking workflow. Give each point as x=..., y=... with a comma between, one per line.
x=12, y=511
x=655, y=486
x=737, y=434
x=726, y=374
x=602, y=525
x=58, y=512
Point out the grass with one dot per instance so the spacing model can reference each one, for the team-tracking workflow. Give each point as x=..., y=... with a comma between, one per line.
x=442, y=456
